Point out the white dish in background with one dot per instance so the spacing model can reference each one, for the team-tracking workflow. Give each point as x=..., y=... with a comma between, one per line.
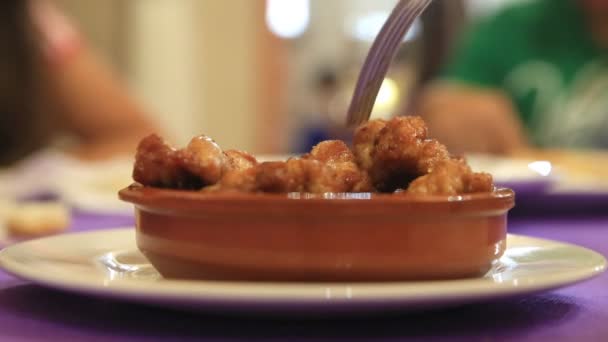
x=93, y=187
x=509, y=170
x=575, y=184
x=88, y=186
x=108, y=264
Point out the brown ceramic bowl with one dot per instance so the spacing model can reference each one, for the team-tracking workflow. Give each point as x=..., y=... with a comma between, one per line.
x=335, y=237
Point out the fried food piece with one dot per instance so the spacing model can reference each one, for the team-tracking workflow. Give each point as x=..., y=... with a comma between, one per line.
x=295, y=175
x=201, y=163
x=479, y=182
x=290, y=176
x=203, y=158
x=430, y=154
x=396, y=152
x=236, y=181
x=388, y=156
x=451, y=177
x=365, y=142
x=272, y=177
x=340, y=174
x=331, y=152
x=301, y=175
x=238, y=161
x=37, y=219
x=157, y=164
x=363, y=184
x=448, y=178
x=337, y=155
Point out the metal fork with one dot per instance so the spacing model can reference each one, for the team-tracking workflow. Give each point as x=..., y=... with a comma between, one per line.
x=379, y=58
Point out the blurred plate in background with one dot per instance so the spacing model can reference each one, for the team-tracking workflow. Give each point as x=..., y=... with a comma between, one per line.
x=551, y=181
x=86, y=186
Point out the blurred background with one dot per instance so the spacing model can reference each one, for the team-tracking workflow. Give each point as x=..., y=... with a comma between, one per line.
x=262, y=75
x=517, y=86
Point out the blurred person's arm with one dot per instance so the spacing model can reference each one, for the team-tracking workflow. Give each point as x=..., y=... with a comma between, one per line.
x=466, y=109
x=472, y=119
x=89, y=101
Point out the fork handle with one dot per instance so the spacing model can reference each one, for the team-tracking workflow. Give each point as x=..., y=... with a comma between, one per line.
x=379, y=57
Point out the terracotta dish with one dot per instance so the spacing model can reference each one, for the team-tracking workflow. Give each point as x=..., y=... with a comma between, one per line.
x=322, y=237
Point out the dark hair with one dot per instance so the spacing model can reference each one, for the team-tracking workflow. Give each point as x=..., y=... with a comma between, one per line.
x=22, y=128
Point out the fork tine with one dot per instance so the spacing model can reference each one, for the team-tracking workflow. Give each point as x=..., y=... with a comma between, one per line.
x=394, y=36
x=379, y=58
x=388, y=29
x=377, y=63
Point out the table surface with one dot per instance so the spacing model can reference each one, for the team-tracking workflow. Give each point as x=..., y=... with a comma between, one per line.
x=580, y=312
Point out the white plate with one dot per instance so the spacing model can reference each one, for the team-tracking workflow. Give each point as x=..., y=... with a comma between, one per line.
x=525, y=175
x=510, y=170
x=108, y=264
x=89, y=186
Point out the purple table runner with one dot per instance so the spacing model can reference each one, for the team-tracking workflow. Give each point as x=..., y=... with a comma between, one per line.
x=580, y=312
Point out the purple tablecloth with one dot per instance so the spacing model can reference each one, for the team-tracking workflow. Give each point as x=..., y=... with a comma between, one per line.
x=580, y=312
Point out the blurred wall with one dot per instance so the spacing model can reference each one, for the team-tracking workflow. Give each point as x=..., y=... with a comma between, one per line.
x=164, y=63
x=229, y=65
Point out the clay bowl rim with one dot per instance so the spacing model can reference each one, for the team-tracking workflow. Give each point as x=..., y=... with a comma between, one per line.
x=501, y=199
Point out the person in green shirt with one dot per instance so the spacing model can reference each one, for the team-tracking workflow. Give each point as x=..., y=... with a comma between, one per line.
x=535, y=74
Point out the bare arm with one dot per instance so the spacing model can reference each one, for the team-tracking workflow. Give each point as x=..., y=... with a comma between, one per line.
x=91, y=103
x=469, y=119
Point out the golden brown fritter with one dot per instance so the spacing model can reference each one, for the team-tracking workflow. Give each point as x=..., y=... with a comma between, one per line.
x=336, y=177
x=431, y=153
x=451, y=177
x=203, y=158
x=200, y=163
x=331, y=151
x=399, y=153
x=294, y=175
x=365, y=140
x=301, y=175
x=238, y=160
x=387, y=156
x=280, y=177
x=395, y=153
x=337, y=155
x=271, y=177
x=479, y=182
x=236, y=181
x=157, y=164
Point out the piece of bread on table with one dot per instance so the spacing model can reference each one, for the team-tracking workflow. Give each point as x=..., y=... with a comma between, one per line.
x=36, y=219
